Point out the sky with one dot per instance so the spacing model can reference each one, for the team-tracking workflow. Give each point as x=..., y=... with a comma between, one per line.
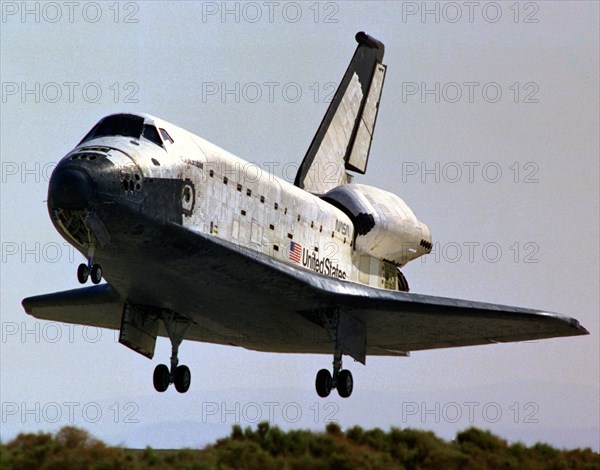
x=488, y=129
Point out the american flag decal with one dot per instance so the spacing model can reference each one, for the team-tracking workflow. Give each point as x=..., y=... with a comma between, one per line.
x=295, y=251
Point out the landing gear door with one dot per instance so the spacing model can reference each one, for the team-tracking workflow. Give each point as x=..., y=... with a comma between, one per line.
x=138, y=330
x=352, y=337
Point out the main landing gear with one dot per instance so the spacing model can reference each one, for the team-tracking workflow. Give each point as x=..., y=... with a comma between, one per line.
x=178, y=375
x=91, y=269
x=341, y=379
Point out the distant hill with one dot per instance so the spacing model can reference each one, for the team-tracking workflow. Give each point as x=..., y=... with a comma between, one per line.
x=269, y=447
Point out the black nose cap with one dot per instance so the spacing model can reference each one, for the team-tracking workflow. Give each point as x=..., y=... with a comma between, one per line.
x=70, y=189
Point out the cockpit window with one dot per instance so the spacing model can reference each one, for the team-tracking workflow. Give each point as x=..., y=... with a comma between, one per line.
x=126, y=125
x=151, y=134
x=165, y=135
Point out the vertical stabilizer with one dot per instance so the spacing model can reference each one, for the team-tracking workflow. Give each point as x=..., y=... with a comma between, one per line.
x=344, y=137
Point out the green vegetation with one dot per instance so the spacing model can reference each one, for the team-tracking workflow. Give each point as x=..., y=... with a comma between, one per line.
x=268, y=447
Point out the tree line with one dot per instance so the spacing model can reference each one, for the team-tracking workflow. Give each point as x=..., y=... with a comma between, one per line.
x=268, y=447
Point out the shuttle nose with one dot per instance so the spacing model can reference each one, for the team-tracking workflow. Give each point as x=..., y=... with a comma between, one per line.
x=70, y=188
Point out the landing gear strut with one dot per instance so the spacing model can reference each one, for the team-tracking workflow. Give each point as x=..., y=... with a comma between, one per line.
x=91, y=269
x=178, y=375
x=341, y=379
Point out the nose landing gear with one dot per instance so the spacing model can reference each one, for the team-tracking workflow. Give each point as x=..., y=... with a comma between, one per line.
x=84, y=272
x=91, y=269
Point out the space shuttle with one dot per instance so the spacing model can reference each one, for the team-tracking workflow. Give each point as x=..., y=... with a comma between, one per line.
x=184, y=240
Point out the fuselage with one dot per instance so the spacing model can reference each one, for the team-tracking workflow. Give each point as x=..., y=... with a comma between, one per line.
x=141, y=169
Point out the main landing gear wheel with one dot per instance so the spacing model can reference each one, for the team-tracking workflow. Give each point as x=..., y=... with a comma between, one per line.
x=323, y=383
x=345, y=383
x=96, y=274
x=162, y=378
x=183, y=378
x=340, y=379
x=82, y=273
